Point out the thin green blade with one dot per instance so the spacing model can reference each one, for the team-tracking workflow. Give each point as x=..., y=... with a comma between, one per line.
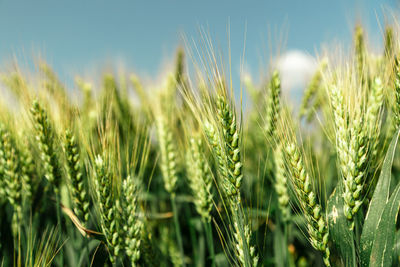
x=385, y=234
x=339, y=230
x=377, y=205
x=280, y=248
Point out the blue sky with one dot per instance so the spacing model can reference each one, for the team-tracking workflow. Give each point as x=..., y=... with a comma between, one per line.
x=76, y=36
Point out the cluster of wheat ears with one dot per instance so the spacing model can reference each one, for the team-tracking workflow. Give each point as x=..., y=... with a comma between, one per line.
x=123, y=173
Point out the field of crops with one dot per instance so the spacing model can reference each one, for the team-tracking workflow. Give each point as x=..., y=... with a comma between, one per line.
x=121, y=172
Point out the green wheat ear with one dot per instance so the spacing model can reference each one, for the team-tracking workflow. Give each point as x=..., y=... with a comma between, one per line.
x=180, y=67
x=213, y=139
x=373, y=116
x=45, y=137
x=12, y=176
x=352, y=148
x=28, y=171
x=107, y=207
x=273, y=105
x=134, y=225
x=316, y=221
x=230, y=158
x=3, y=192
x=231, y=135
x=311, y=92
x=281, y=185
x=389, y=43
x=360, y=54
x=168, y=154
x=200, y=178
x=76, y=184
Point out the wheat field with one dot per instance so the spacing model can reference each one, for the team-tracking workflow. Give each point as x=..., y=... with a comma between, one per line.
x=123, y=173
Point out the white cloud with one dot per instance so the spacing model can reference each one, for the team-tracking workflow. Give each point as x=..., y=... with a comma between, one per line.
x=296, y=68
